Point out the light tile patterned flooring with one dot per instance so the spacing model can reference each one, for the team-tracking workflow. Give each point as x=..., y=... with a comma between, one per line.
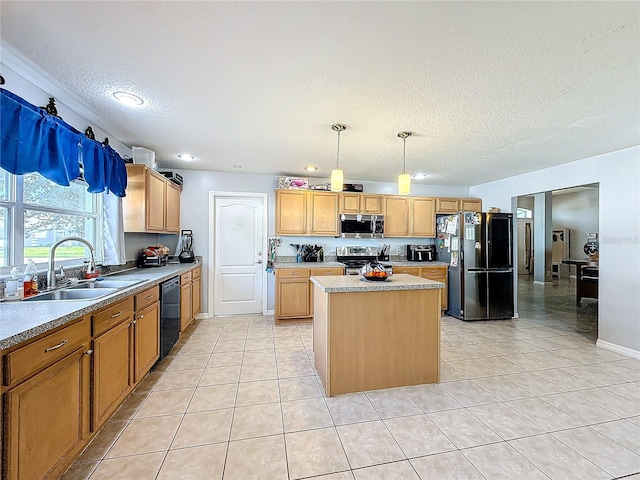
x=238, y=399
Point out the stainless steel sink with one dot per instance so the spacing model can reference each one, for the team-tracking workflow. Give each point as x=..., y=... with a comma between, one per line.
x=72, y=294
x=100, y=284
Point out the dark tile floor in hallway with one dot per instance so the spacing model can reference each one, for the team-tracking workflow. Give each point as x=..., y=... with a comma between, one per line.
x=556, y=304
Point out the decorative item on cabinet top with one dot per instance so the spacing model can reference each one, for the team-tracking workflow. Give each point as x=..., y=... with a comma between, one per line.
x=293, y=183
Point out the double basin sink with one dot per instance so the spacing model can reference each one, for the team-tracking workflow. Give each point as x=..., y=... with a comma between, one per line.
x=85, y=291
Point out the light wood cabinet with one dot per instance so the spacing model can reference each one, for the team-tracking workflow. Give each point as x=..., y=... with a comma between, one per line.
x=46, y=416
x=408, y=270
x=195, y=293
x=306, y=213
x=361, y=203
x=152, y=203
x=423, y=217
x=453, y=205
x=294, y=291
x=146, y=332
x=396, y=216
x=186, y=292
x=189, y=296
x=439, y=274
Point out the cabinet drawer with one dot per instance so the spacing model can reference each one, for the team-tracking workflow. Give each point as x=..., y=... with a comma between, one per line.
x=319, y=272
x=147, y=297
x=185, y=278
x=433, y=271
x=196, y=272
x=292, y=273
x=111, y=316
x=407, y=270
x=27, y=360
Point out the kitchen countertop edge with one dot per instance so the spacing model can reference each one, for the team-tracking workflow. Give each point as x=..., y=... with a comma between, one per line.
x=338, y=264
x=357, y=284
x=54, y=314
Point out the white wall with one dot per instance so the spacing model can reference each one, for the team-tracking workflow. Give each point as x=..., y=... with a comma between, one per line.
x=619, y=226
x=194, y=213
x=577, y=211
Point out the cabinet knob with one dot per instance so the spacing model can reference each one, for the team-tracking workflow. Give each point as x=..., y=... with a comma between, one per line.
x=140, y=317
x=89, y=352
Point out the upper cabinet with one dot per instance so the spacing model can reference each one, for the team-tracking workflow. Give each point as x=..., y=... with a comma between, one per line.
x=361, y=203
x=453, y=205
x=409, y=216
x=304, y=212
x=423, y=217
x=396, y=218
x=152, y=203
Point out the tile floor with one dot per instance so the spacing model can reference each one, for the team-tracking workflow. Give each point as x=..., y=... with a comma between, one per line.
x=238, y=399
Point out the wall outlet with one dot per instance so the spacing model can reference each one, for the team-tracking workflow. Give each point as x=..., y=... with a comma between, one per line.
x=398, y=250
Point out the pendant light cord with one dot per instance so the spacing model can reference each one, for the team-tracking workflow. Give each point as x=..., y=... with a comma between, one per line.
x=404, y=155
x=338, y=154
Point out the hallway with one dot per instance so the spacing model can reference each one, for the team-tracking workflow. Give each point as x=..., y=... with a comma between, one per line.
x=555, y=305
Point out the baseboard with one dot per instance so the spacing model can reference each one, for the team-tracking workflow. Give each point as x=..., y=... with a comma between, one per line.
x=538, y=282
x=202, y=315
x=270, y=312
x=630, y=352
x=515, y=315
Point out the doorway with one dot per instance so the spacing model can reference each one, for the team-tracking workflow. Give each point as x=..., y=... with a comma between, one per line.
x=238, y=232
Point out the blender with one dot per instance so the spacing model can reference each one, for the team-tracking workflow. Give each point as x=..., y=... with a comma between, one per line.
x=186, y=255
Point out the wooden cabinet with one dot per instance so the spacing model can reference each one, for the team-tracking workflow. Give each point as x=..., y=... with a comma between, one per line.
x=294, y=291
x=113, y=353
x=195, y=291
x=146, y=332
x=152, y=203
x=46, y=407
x=306, y=213
x=361, y=203
x=190, y=304
x=434, y=272
x=323, y=214
x=453, y=205
x=396, y=216
x=423, y=217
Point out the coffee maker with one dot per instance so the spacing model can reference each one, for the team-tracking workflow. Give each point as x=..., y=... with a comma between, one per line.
x=186, y=255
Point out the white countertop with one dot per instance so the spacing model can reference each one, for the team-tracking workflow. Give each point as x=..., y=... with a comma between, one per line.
x=22, y=320
x=356, y=283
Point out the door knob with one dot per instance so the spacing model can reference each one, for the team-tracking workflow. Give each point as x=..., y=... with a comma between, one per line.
x=259, y=261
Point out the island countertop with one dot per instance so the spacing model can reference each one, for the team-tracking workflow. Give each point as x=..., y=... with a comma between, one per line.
x=355, y=283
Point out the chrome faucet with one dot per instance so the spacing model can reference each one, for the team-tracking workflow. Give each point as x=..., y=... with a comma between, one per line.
x=51, y=274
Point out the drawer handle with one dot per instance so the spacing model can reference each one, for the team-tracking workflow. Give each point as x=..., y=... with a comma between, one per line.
x=115, y=315
x=295, y=273
x=148, y=297
x=55, y=347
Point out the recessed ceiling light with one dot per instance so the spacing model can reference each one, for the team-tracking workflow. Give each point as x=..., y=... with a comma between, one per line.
x=128, y=98
x=237, y=166
x=187, y=157
x=311, y=168
x=419, y=176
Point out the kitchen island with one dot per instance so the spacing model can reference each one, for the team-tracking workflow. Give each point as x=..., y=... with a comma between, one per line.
x=372, y=335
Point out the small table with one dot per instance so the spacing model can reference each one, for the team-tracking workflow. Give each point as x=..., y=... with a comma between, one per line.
x=586, y=282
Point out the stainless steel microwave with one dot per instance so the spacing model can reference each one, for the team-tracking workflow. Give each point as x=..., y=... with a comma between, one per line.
x=361, y=226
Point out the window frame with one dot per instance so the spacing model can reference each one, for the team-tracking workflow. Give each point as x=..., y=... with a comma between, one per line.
x=16, y=208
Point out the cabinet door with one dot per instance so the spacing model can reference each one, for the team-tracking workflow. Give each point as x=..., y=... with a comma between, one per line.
x=439, y=274
x=155, y=202
x=470, y=205
x=291, y=212
x=146, y=333
x=423, y=217
x=350, y=202
x=195, y=297
x=185, y=306
x=112, y=371
x=172, y=213
x=447, y=205
x=371, y=204
x=292, y=298
x=396, y=219
x=47, y=419
x=323, y=215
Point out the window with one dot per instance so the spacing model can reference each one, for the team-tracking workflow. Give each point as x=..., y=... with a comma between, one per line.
x=523, y=213
x=44, y=213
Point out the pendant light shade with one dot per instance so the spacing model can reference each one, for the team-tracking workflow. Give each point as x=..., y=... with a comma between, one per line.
x=337, y=175
x=404, y=179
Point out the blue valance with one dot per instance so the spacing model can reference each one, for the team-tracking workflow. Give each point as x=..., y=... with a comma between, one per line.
x=34, y=141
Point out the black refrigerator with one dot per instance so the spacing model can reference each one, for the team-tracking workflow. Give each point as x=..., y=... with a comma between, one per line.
x=479, y=249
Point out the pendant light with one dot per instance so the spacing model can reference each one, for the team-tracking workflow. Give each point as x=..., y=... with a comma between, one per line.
x=337, y=176
x=404, y=179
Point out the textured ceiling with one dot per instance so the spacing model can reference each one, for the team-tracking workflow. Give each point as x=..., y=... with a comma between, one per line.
x=490, y=89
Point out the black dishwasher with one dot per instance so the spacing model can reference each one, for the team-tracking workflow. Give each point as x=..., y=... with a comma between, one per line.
x=169, y=315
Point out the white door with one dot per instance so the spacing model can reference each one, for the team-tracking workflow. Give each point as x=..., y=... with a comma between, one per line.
x=239, y=256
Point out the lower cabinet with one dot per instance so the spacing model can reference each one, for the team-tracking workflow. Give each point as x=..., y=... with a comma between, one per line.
x=146, y=339
x=437, y=273
x=196, y=304
x=294, y=291
x=189, y=297
x=47, y=415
